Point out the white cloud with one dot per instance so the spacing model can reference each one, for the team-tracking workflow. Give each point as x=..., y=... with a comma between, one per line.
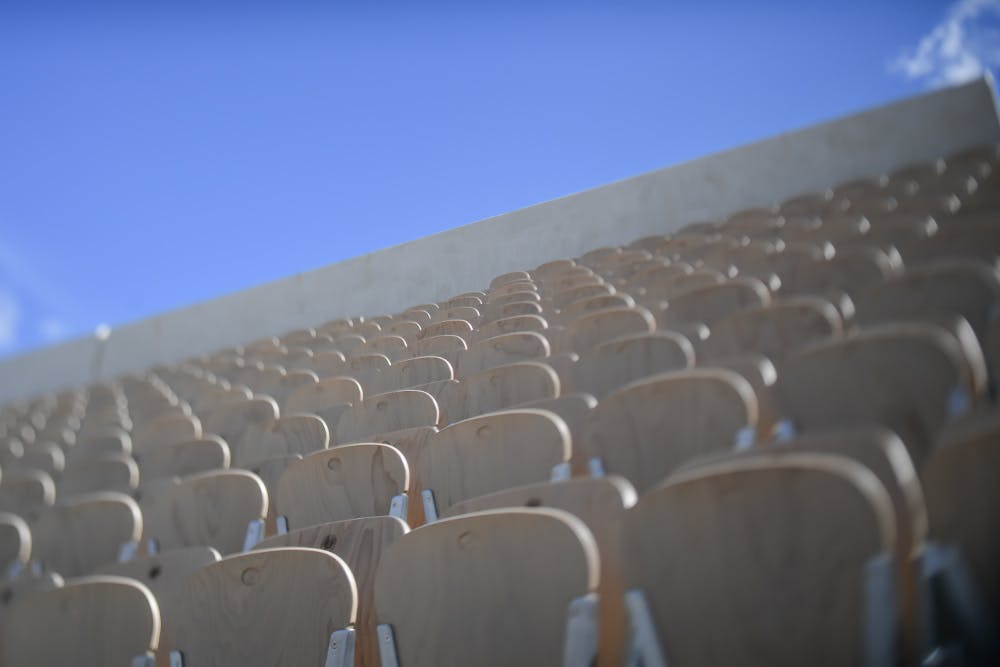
x=959, y=48
x=10, y=315
x=52, y=330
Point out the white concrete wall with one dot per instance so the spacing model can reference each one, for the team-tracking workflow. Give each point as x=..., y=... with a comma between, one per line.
x=436, y=267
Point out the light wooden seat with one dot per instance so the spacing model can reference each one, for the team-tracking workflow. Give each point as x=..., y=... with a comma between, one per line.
x=361, y=544
x=15, y=541
x=213, y=509
x=93, y=621
x=511, y=309
x=491, y=452
x=511, y=324
x=76, y=536
x=185, y=458
x=775, y=330
x=465, y=301
x=27, y=581
x=850, y=271
x=166, y=429
x=327, y=399
x=507, y=278
x=106, y=441
x=564, y=298
x=329, y=363
x=489, y=309
x=230, y=421
x=268, y=607
x=574, y=410
x=470, y=314
x=408, y=330
x=762, y=375
x=345, y=482
x=600, y=502
x=409, y=373
x=106, y=472
x=604, y=325
x=526, y=285
x=45, y=456
x=286, y=384
x=763, y=561
x=910, y=378
x=581, y=307
x=366, y=367
x=164, y=574
x=647, y=429
x=503, y=349
x=608, y=366
x=392, y=346
x=27, y=493
x=446, y=346
x=497, y=388
x=294, y=434
x=711, y=303
x=552, y=268
x=385, y=413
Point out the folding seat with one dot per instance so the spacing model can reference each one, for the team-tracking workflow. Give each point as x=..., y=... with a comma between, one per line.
x=107, y=472
x=296, y=434
x=584, y=306
x=461, y=328
x=565, y=297
x=231, y=420
x=552, y=268
x=299, y=337
x=497, y=388
x=409, y=373
x=510, y=288
x=647, y=429
x=579, y=277
x=656, y=280
x=368, y=329
x=108, y=441
x=604, y=325
x=345, y=482
x=649, y=243
x=506, y=278
x=488, y=453
x=291, y=606
x=600, y=502
x=763, y=561
x=850, y=271
x=513, y=309
x=574, y=410
x=446, y=346
x=185, y=458
x=420, y=315
x=349, y=343
x=503, y=349
x=219, y=396
x=508, y=325
x=283, y=386
x=78, y=535
x=611, y=365
x=776, y=329
x=327, y=399
x=91, y=621
x=360, y=543
x=15, y=542
x=911, y=378
x=223, y=509
x=470, y=314
x=335, y=328
x=366, y=367
x=165, y=430
x=386, y=413
x=465, y=301
x=975, y=239
x=490, y=309
x=933, y=291
x=710, y=304
x=408, y=330
x=164, y=574
x=619, y=265
x=27, y=493
x=393, y=347
x=596, y=256
x=45, y=456
x=541, y=562
x=749, y=219
x=812, y=203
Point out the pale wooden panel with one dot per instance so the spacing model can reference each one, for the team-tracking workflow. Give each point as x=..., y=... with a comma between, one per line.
x=516, y=286
x=410, y=373
x=361, y=543
x=648, y=428
x=270, y=472
x=295, y=434
x=392, y=346
x=79, y=535
x=469, y=313
x=105, y=472
x=498, y=388
x=446, y=347
x=535, y=560
x=382, y=413
x=503, y=349
x=465, y=301
x=453, y=327
x=231, y=421
x=45, y=456
x=759, y=561
x=408, y=330
x=512, y=297
x=327, y=399
x=164, y=574
x=511, y=324
x=609, y=366
x=581, y=307
x=185, y=458
x=269, y=607
x=901, y=376
x=599, y=327
x=108, y=441
x=552, y=269
x=709, y=304
x=492, y=452
x=15, y=540
x=345, y=482
x=211, y=509
x=511, y=277
x=600, y=502
x=164, y=430
x=514, y=309
x=91, y=621
x=27, y=493
x=574, y=410
x=365, y=367
x=329, y=363
x=285, y=384
x=24, y=584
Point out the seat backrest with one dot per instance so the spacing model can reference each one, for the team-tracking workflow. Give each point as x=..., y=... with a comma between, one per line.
x=211, y=509
x=383, y=413
x=604, y=325
x=409, y=373
x=647, y=429
x=268, y=607
x=105, y=472
x=796, y=535
x=608, y=366
x=45, y=456
x=452, y=327
x=536, y=560
x=91, y=621
x=344, y=482
x=908, y=377
x=327, y=399
x=27, y=493
x=294, y=434
x=15, y=540
x=503, y=349
x=511, y=324
x=106, y=441
x=78, y=535
x=185, y=458
x=444, y=346
x=491, y=452
x=231, y=420
x=167, y=429
x=498, y=388
x=392, y=346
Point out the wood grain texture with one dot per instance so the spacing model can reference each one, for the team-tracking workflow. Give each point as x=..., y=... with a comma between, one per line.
x=361, y=543
x=392, y=346
x=604, y=325
x=710, y=303
x=230, y=421
x=268, y=607
x=446, y=347
x=78, y=535
x=503, y=349
x=107, y=441
x=408, y=330
x=285, y=384
x=165, y=430
x=792, y=535
x=589, y=290
x=600, y=502
x=15, y=540
x=507, y=278
x=382, y=413
x=453, y=327
x=295, y=434
x=574, y=410
x=27, y=493
x=410, y=373
x=761, y=374
x=517, y=286
x=93, y=622
x=45, y=456
x=650, y=427
x=326, y=399
x=900, y=376
x=513, y=309
x=492, y=452
x=164, y=574
x=498, y=388
x=209, y=509
x=581, y=307
x=511, y=324
x=346, y=482
x=470, y=314
x=515, y=570
x=612, y=365
x=328, y=363
x=185, y=458
x=106, y=472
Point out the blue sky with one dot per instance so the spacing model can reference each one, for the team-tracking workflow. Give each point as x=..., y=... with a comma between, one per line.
x=157, y=154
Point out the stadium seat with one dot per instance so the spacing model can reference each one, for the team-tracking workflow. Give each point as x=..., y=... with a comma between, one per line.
x=105, y=472
x=185, y=458
x=27, y=493
x=601, y=326
x=608, y=366
x=294, y=434
x=15, y=542
x=495, y=389
x=501, y=350
x=409, y=373
x=386, y=413
x=328, y=398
